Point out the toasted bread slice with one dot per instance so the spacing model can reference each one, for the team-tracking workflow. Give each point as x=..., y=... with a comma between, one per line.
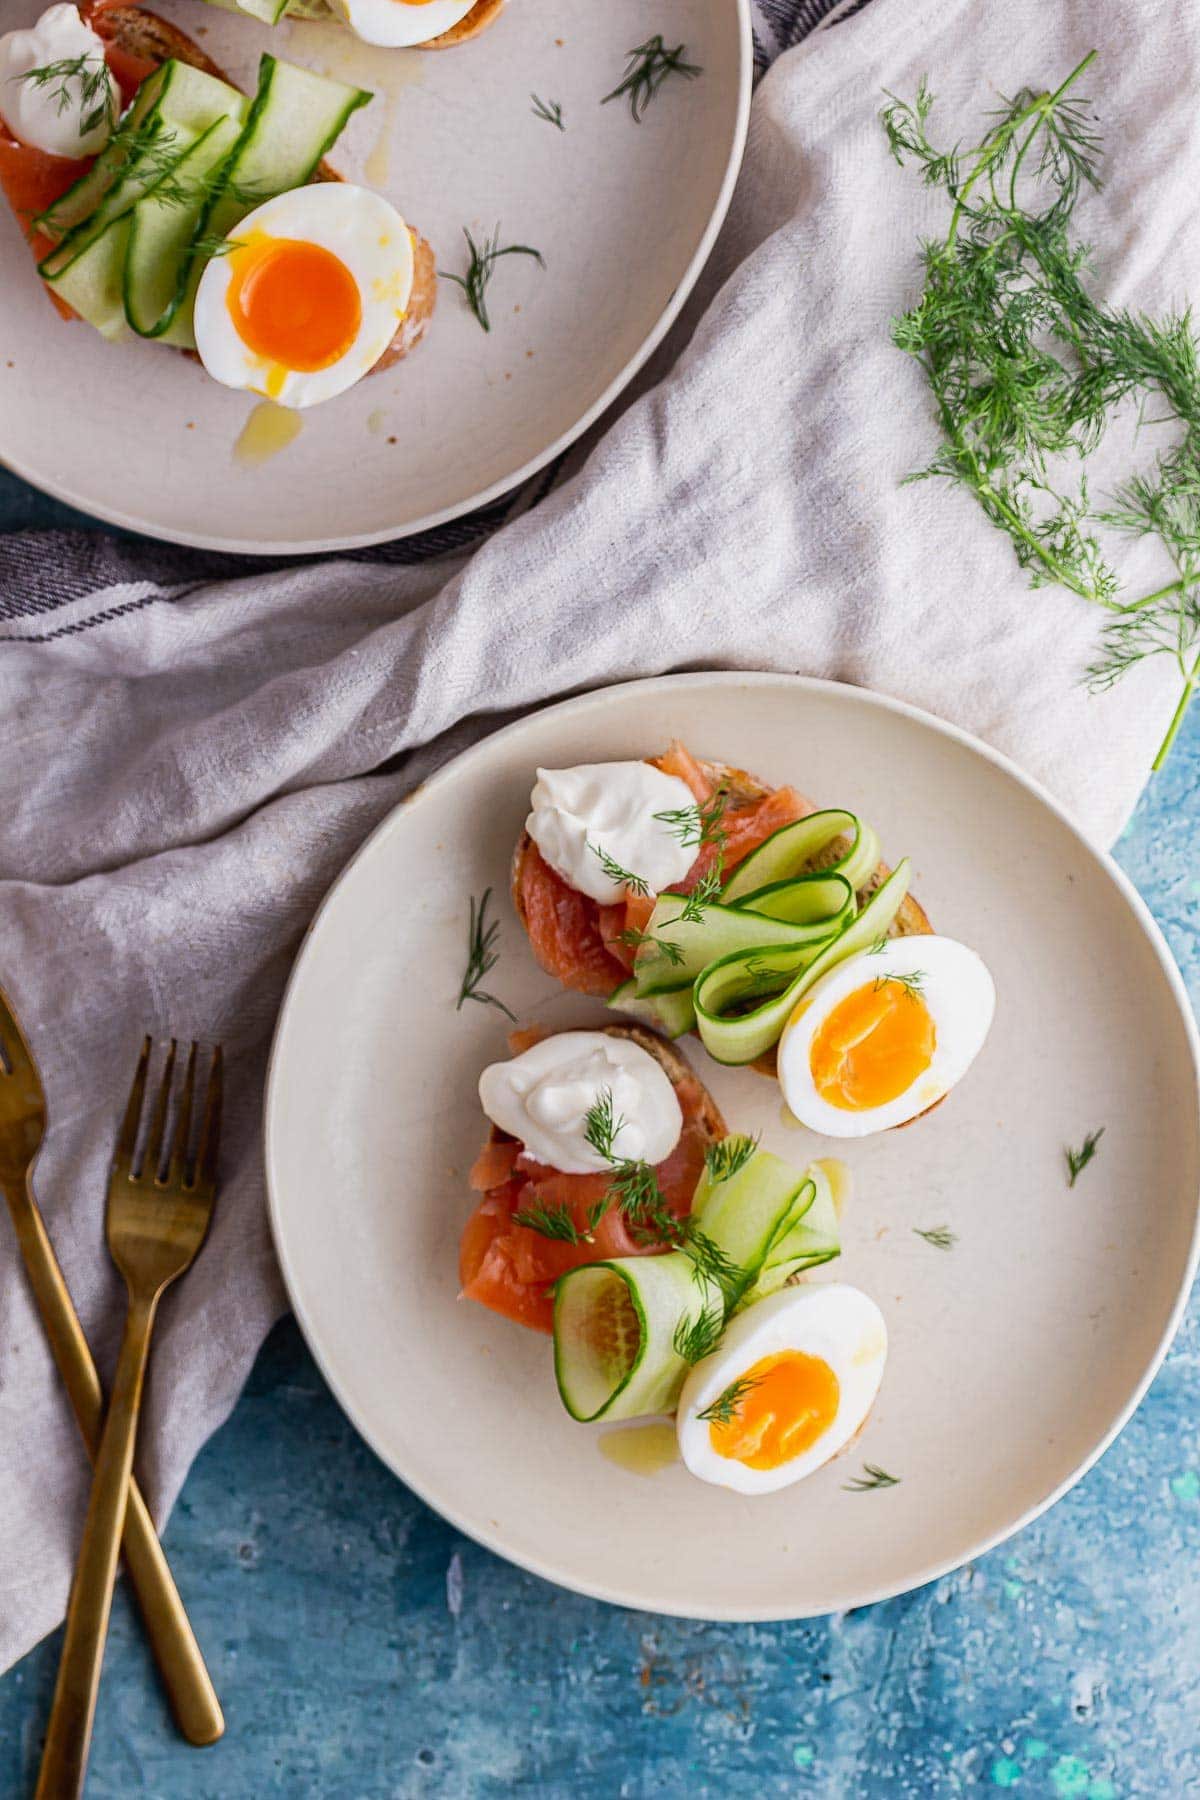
x=144, y=35
x=153, y=40
x=485, y=13
x=743, y=790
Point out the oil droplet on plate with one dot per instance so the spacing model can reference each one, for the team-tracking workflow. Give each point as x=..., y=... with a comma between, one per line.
x=643, y=1449
x=378, y=165
x=331, y=50
x=841, y=1182
x=267, y=431
x=376, y=421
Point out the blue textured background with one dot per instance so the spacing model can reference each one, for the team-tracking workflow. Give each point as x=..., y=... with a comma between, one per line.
x=364, y=1649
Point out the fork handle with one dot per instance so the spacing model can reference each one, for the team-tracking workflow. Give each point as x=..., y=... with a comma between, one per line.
x=190, y=1690
x=69, y=1735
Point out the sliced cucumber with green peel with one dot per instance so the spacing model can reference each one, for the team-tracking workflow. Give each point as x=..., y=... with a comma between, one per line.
x=752, y=1212
x=94, y=284
x=184, y=105
x=743, y=1003
x=791, y=852
x=295, y=117
x=268, y=12
x=616, y=1325
x=671, y=1013
x=162, y=234
x=813, y=1239
x=83, y=196
x=816, y=906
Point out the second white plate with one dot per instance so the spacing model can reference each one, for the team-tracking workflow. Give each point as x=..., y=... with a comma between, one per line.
x=624, y=214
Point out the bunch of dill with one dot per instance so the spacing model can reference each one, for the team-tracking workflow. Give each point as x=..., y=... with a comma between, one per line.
x=1027, y=369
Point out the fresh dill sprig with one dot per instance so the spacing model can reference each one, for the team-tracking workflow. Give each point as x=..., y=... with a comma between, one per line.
x=729, y=1156
x=712, y=1261
x=765, y=978
x=482, y=267
x=482, y=956
x=205, y=247
x=635, y=1191
x=696, y=1338
x=940, y=1236
x=698, y=825
x=913, y=983
x=636, y=884
x=672, y=951
x=550, y=110
x=554, y=1221
x=725, y=1408
x=1026, y=369
x=872, y=1477
x=705, y=892
x=634, y=1185
x=1078, y=1160
x=93, y=87
x=601, y=1124
x=880, y=945
x=648, y=67
x=148, y=151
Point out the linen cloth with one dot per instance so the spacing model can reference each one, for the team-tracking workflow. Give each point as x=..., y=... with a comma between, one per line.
x=192, y=750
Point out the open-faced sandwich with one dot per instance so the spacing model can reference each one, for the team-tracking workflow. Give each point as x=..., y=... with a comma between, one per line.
x=693, y=896
x=544, y=1182
x=163, y=203
x=425, y=24
x=618, y=1213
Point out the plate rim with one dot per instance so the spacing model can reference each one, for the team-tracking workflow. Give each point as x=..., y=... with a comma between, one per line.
x=505, y=484
x=612, y=1593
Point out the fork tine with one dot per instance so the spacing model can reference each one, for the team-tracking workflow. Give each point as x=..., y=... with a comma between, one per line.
x=152, y=1161
x=210, y=1131
x=127, y=1141
x=183, y=1125
x=14, y=1051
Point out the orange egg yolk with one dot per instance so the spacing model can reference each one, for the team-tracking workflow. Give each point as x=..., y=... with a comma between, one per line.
x=294, y=303
x=788, y=1401
x=872, y=1046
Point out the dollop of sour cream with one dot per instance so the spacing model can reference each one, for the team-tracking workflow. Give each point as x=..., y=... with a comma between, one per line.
x=615, y=808
x=49, y=114
x=543, y=1098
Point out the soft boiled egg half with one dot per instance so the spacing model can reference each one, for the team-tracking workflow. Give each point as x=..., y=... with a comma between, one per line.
x=884, y=1035
x=308, y=294
x=394, y=23
x=787, y=1388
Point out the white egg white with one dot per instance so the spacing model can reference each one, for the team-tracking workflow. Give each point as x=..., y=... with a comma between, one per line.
x=956, y=988
x=367, y=235
x=394, y=23
x=837, y=1323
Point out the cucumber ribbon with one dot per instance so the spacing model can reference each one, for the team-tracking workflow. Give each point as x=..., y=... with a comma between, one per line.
x=735, y=968
x=770, y=1221
x=617, y=1330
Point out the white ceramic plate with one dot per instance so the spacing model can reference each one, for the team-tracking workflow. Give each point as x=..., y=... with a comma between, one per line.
x=625, y=215
x=1015, y=1357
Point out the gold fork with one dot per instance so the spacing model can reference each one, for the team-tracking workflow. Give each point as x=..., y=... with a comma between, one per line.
x=23, y=1116
x=159, y=1207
